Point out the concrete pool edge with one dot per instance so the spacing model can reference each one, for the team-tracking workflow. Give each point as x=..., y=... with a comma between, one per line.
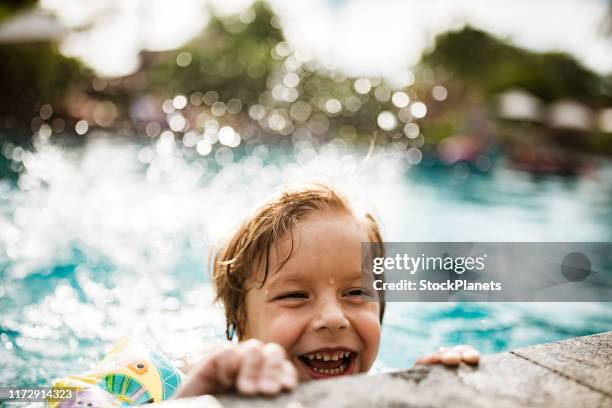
x=568, y=373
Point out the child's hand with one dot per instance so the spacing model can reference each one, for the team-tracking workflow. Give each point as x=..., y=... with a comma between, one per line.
x=452, y=356
x=251, y=367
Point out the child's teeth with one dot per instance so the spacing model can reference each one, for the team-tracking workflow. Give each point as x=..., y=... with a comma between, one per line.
x=331, y=371
x=335, y=356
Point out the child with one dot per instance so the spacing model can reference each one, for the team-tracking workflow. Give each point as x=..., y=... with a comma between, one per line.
x=290, y=280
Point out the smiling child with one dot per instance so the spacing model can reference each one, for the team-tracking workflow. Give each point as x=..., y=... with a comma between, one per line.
x=291, y=283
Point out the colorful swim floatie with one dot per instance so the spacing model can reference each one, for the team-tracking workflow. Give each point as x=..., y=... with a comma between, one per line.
x=128, y=375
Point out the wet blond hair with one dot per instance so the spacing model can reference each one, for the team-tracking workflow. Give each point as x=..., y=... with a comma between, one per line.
x=247, y=251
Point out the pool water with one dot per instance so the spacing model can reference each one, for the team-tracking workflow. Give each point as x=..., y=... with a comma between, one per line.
x=112, y=237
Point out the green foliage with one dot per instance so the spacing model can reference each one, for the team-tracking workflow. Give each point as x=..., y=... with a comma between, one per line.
x=601, y=143
x=9, y=7
x=35, y=73
x=230, y=57
x=437, y=130
x=237, y=60
x=485, y=62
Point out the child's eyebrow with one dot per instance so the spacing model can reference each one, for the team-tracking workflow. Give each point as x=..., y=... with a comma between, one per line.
x=296, y=278
x=354, y=276
x=286, y=279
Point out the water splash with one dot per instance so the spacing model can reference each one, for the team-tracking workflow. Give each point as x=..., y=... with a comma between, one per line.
x=112, y=238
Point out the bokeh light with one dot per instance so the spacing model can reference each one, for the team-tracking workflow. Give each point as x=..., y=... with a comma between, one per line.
x=122, y=167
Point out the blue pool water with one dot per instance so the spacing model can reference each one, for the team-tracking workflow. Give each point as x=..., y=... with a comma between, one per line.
x=111, y=238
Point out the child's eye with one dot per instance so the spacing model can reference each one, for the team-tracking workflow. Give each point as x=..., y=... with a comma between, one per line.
x=357, y=292
x=293, y=295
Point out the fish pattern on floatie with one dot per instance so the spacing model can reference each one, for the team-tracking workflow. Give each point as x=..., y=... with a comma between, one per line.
x=128, y=375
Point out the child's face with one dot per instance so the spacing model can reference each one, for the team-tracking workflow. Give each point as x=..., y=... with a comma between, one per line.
x=314, y=306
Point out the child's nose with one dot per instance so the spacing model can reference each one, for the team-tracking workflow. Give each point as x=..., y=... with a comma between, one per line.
x=330, y=315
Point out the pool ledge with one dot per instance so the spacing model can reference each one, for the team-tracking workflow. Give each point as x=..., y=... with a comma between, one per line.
x=570, y=373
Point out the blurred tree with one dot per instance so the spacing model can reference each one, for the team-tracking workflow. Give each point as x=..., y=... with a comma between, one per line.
x=245, y=57
x=241, y=60
x=33, y=74
x=9, y=7
x=491, y=65
x=231, y=57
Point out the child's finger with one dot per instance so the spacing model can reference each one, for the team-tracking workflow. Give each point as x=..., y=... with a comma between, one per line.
x=227, y=363
x=431, y=358
x=274, y=354
x=269, y=384
x=469, y=354
x=274, y=379
x=270, y=380
x=471, y=357
x=450, y=357
x=210, y=375
x=252, y=362
x=289, y=376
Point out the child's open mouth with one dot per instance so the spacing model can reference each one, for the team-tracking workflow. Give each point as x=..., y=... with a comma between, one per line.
x=327, y=363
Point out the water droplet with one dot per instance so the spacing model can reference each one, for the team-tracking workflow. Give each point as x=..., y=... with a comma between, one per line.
x=332, y=281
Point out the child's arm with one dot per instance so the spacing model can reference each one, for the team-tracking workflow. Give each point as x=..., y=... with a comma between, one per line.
x=250, y=367
x=452, y=356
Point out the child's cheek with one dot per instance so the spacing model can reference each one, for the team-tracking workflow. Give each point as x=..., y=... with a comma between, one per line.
x=283, y=328
x=369, y=330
